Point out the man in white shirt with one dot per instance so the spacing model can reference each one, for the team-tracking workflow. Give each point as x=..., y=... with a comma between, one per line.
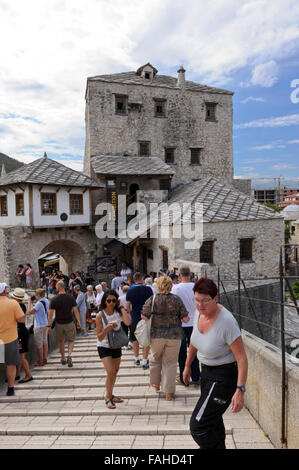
x=184, y=290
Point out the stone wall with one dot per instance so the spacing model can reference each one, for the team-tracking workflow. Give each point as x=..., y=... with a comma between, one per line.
x=263, y=396
x=184, y=127
x=18, y=247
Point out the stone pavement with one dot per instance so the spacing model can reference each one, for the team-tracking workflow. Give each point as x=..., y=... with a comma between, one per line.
x=64, y=408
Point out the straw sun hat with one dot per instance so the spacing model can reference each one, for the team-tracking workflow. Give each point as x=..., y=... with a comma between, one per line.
x=19, y=294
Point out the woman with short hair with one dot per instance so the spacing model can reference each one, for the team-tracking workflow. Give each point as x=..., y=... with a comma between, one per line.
x=114, y=314
x=217, y=341
x=168, y=312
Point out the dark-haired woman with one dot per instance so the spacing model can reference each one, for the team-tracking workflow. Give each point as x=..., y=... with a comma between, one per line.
x=28, y=276
x=216, y=338
x=115, y=314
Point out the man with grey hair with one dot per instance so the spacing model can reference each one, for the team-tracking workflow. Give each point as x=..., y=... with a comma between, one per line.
x=64, y=305
x=185, y=291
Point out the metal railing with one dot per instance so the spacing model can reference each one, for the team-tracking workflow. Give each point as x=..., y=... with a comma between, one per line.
x=284, y=282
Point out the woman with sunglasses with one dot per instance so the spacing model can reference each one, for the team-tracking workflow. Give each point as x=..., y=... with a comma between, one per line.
x=217, y=341
x=115, y=314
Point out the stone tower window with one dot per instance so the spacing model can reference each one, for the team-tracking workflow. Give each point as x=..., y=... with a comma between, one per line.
x=120, y=104
x=160, y=108
x=206, y=252
x=3, y=206
x=169, y=155
x=246, y=249
x=195, y=156
x=211, y=111
x=19, y=204
x=144, y=149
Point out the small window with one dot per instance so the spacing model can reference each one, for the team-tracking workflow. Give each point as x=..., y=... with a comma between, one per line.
x=246, y=249
x=195, y=156
x=206, y=252
x=164, y=259
x=169, y=155
x=160, y=108
x=76, y=204
x=165, y=184
x=210, y=111
x=3, y=206
x=48, y=202
x=144, y=149
x=120, y=104
x=19, y=204
x=147, y=75
x=150, y=254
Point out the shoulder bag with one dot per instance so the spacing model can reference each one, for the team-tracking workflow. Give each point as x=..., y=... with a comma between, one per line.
x=143, y=329
x=116, y=339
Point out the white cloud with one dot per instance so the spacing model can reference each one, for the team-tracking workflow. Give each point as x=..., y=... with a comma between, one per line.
x=252, y=98
x=265, y=74
x=283, y=166
x=268, y=147
x=280, y=121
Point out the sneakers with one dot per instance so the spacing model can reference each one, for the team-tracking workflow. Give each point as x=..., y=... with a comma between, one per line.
x=10, y=391
x=69, y=361
x=145, y=365
x=136, y=362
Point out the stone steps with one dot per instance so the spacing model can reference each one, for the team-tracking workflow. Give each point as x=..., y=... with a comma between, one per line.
x=65, y=408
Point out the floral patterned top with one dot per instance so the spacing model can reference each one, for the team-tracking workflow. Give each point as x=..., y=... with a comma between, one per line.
x=167, y=313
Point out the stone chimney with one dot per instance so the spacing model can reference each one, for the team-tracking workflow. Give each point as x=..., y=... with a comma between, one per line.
x=181, y=77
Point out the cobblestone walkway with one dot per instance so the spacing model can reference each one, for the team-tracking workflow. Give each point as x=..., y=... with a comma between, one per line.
x=63, y=408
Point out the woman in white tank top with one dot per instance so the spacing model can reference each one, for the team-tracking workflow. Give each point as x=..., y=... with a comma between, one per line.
x=115, y=314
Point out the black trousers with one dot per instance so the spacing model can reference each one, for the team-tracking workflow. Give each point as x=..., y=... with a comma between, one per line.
x=218, y=385
x=195, y=372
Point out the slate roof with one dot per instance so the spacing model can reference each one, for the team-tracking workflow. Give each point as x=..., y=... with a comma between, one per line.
x=125, y=165
x=164, y=81
x=48, y=171
x=221, y=203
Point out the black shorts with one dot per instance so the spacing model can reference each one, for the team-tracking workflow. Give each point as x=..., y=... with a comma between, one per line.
x=23, y=335
x=105, y=352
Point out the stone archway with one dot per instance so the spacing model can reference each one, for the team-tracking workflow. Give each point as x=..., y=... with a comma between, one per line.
x=73, y=254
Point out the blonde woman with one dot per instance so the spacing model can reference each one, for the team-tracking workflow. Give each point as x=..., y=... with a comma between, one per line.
x=166, y=334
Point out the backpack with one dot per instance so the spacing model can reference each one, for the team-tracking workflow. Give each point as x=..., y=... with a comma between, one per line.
x=143, y=329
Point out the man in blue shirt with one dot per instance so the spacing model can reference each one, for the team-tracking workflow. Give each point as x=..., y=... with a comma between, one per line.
x=135, y=300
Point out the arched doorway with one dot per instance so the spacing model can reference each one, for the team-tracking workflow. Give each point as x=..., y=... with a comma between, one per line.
x=72, y=255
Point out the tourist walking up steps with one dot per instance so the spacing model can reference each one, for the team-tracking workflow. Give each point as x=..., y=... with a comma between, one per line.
x=64, y=305
x=114, y=313
x=185, y=291
x=81, y=303
x=136, y=297
x=40, y=330
x=10, y=314
x=23, y=334
x=167, y=311
x=216, y=338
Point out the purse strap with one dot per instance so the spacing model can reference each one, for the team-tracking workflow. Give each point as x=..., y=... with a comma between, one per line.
x=104, y=318
x=152, y=309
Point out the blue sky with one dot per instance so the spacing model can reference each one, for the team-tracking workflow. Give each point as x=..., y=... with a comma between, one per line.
x=250, y=47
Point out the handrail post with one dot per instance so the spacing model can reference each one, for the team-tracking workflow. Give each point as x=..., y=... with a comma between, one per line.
x=283, y=356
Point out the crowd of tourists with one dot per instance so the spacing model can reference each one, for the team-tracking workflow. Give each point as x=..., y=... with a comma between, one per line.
x=189, y=332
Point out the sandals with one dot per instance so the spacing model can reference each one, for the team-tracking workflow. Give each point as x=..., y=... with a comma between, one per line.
x=117, y=399
x=169, y=396
x=155, y=387
x=110, y=404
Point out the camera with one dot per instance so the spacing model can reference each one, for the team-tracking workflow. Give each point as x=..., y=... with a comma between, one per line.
x=33, y=297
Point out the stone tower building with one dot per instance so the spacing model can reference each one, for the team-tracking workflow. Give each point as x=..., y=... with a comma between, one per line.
x=185, y=124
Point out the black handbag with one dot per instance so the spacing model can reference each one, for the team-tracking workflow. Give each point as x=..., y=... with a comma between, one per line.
x=116, y=339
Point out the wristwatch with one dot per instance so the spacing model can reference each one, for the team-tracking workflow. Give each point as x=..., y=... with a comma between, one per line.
x=242, y=388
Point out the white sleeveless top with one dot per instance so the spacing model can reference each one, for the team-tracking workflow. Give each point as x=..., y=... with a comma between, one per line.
x=110, y=319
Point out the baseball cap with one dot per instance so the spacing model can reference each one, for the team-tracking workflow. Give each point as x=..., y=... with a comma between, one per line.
x=2, y=287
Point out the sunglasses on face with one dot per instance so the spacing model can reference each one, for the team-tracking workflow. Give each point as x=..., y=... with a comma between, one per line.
x=111, y=300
